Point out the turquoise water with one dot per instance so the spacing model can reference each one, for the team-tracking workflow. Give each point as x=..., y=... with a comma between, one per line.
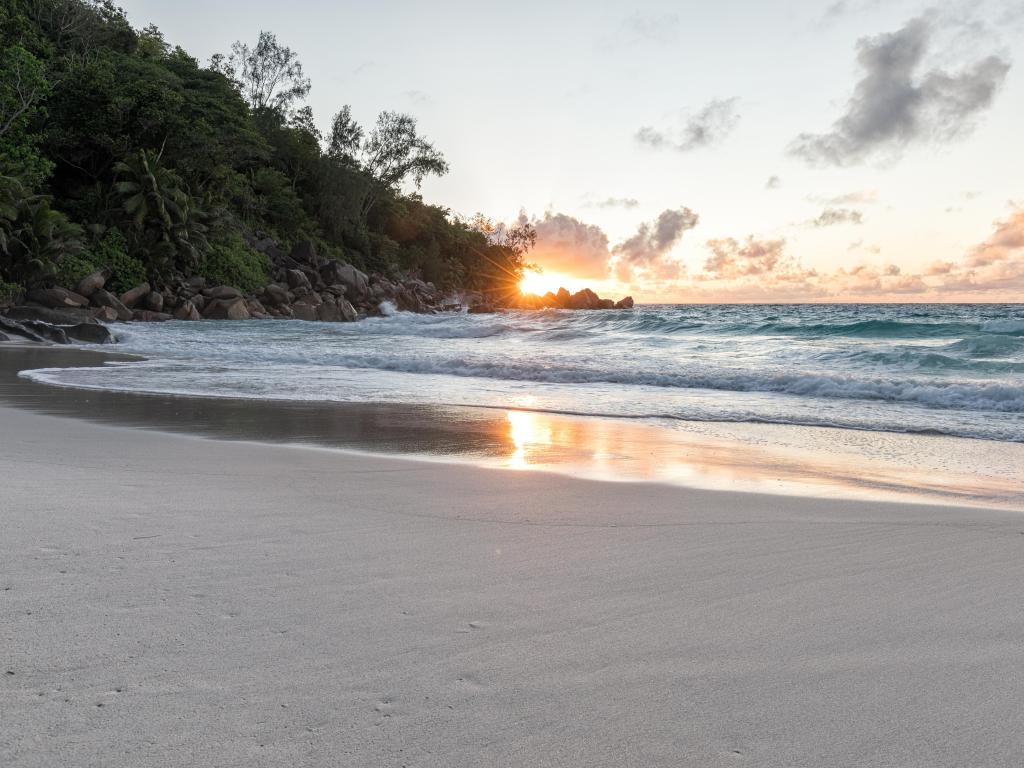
x=945, y=369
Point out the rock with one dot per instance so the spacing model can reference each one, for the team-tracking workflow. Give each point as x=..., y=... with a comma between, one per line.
x=226, y=309
x=4, y=337
x=328, y=312
x=104, y=298
x=357, y=284
x=135, y=295
x=585, y=299
x=90, y=333
x=57, y=298
x=303, y=311
x=297, y=279
x=256, y=308
x=605, y=304
x=275, y=254
x=89, y=284
x=154, y=301
x=482, y=308
x=49, y=332
x=304, y=252
x=195, y=283
x=12, y=327
x=68, y=316
x=264, y=245
x=149, y=316
x=626, y=303
x=222, y=292
x=563, y=297
x=199, y=302
x=550, y=301
x=332, y=273
x=348, y=312
x=187, y=311
x=275, y=295
x=105, y=314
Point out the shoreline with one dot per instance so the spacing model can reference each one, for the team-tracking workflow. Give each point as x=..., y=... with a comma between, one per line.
x=176, y=601
x=785, y=460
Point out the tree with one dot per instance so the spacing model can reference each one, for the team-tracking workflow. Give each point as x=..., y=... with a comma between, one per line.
x=394, y=154
x=269, y=75
x=161, y=213
x=33, y=237
x=346, y=137
x=23, y=88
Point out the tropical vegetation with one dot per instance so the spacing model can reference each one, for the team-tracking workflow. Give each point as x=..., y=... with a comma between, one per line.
x=119, y=150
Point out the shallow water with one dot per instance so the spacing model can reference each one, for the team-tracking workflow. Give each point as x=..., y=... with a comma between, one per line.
x=933, y=369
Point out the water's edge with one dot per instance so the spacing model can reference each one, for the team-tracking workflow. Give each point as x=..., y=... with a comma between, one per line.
x=745, y=457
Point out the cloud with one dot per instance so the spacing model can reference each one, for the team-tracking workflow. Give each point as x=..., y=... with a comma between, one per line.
x=731, y=258
x=832, y=216
x=1006, y=242
x=895, y=105
x=565, y=244
x=860, y=245
x=657, y=27
x=842, y=8
x=774, y=182
x=647, y=252
x=617, y=202
x=758, y=269
x=706, y=128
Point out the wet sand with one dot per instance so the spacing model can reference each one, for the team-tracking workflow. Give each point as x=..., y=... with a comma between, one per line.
x=790, y=460
x=176, y=601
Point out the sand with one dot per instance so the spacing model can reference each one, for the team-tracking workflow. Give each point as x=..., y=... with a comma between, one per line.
x=178, y=601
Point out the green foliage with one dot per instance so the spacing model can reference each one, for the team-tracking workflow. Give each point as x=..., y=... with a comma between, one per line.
x=162, y=217
x=71, y=269
x=23, y=90
x=108, y=129
x=9, y=293
x=34, y=238
x=232, y=262
x=111, y=251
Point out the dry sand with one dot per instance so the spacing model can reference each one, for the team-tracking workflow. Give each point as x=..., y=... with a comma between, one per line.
x=176, y=601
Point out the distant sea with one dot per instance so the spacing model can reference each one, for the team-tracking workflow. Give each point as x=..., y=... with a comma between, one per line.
x=933, y=369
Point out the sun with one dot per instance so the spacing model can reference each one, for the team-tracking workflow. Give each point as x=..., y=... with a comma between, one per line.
x=539, y=283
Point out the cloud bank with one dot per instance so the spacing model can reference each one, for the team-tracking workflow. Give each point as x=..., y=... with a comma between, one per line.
x=566, y=244
x=895, y=104
x=646, y=255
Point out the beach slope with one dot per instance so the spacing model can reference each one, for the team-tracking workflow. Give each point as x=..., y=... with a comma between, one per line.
x=174, y=601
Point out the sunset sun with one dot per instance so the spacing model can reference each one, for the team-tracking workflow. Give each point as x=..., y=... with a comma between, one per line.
x=539, y=283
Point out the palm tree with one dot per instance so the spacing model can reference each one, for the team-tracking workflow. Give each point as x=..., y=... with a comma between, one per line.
x=33, y=237
x=161, y=211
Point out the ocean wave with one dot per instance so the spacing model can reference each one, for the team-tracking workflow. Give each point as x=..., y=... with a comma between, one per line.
x=870, y=329
x=982, y=396
x=1012, y=326
x=988, y=345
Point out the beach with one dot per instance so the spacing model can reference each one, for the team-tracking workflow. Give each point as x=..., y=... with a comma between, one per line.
x=174, y=600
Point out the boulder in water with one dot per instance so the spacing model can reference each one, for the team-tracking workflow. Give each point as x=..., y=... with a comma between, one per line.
x=226, y=309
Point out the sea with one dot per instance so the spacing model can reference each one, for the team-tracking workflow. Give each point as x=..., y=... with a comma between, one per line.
x=950, y=369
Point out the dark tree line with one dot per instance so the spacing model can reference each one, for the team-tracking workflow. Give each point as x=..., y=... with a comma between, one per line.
x=120, y=150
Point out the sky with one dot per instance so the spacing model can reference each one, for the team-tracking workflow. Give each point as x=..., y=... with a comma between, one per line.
x=690, y=151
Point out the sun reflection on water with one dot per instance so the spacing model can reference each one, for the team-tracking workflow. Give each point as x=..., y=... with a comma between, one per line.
x=528, y=433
